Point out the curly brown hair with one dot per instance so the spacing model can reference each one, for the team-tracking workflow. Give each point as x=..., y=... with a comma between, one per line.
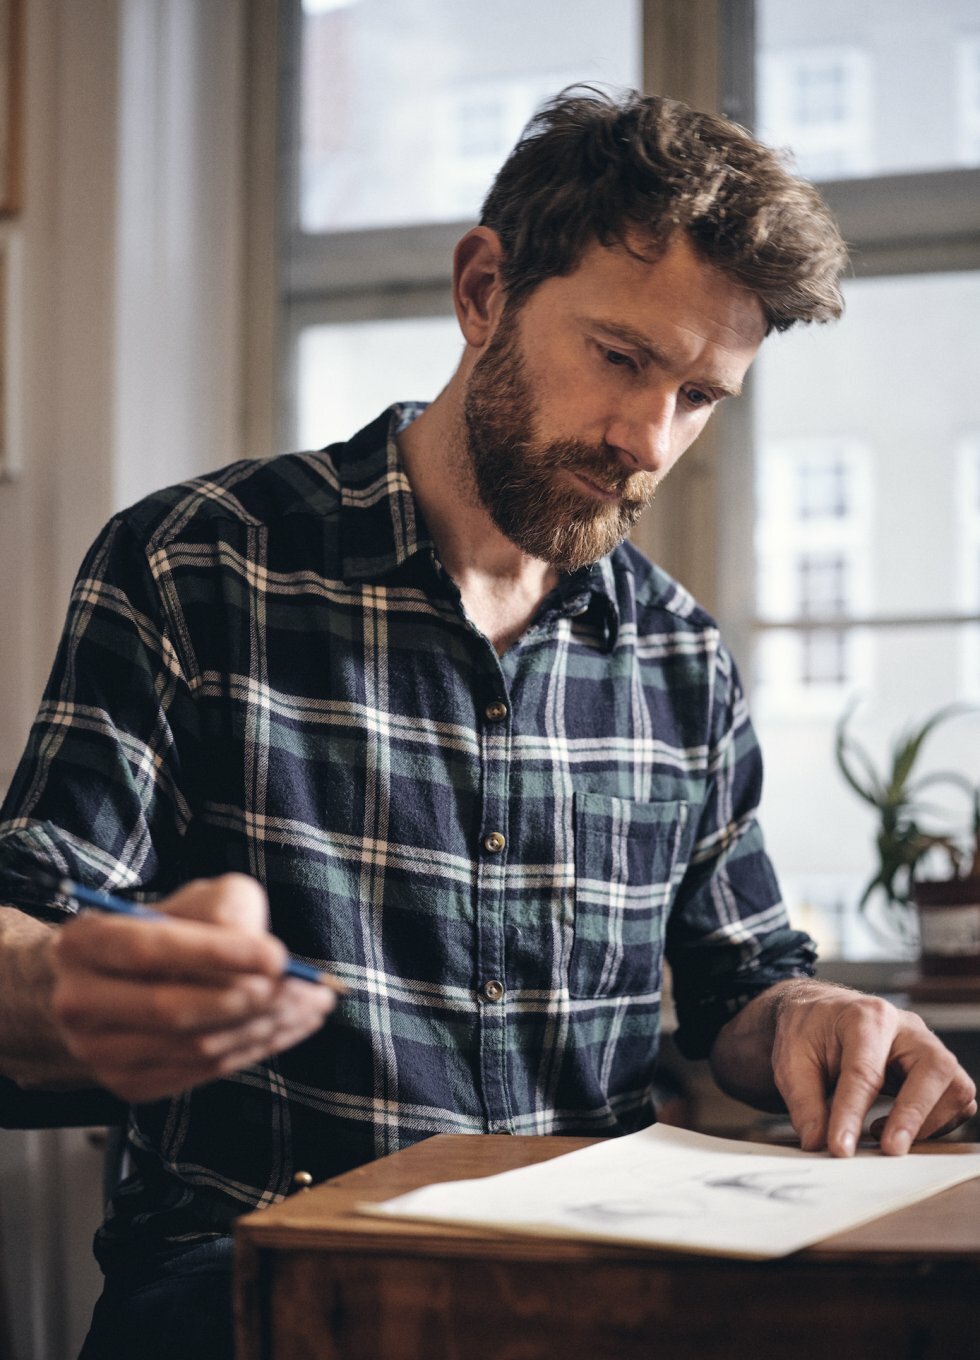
x=632, y=170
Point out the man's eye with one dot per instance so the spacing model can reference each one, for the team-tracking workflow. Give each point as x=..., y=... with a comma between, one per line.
x=696, y=397
x=618, y=360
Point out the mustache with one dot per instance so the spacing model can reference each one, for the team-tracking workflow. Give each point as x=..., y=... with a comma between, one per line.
x=603, y=468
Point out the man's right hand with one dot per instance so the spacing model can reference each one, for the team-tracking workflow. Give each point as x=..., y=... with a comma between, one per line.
x=152, y=1008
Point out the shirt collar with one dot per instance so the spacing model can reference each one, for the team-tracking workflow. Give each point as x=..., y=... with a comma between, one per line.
x=590, y=590
x=382, y=526
x=381, y=523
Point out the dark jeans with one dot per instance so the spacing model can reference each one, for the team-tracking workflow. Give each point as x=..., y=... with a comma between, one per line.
x=175, y=1306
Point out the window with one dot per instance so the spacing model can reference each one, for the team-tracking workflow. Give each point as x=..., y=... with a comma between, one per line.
x=968, y=88
x=477, y=123
x=968, y=519
x=822, y=584
x=867, y=514
x=820, y=100
x=885, y=87
x=813, y=568
x=825, y=660
x=402, y=113
x=968, y=575
x=345, y=370
x=823, y=488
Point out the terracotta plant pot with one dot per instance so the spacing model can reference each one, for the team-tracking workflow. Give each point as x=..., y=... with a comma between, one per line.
x=949, y=923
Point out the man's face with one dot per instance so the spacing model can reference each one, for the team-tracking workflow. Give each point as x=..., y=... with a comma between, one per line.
x=587, y=395
x=515, y=473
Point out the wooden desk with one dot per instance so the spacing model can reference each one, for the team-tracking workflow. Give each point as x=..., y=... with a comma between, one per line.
x=315, y=1281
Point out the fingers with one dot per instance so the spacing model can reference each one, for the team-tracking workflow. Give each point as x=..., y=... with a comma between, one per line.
x=866, y=1032
x=145, y=1006
x=804, y=1089
x=965, y=1112
x=231, y=912
x=141, y=1065
x=835, y=1052
x=153, y=1007
x=935, y=1094
x=805, y=1048
x=180, y=1036
x=885, y=1048
x=168, y=948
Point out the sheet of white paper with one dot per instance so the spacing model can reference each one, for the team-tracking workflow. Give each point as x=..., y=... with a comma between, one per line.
x=667, y=1187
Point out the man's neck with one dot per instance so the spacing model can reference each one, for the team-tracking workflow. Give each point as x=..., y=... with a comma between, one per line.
x=501, y=586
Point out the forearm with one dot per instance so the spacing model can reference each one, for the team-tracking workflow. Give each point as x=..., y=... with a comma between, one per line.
x=32, y=1051
x=742, y=1055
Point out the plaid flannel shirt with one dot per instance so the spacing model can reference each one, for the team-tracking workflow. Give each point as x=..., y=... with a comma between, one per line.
x=267, y=670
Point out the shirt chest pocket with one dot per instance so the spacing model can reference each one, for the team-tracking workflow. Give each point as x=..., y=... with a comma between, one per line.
x=625, y=869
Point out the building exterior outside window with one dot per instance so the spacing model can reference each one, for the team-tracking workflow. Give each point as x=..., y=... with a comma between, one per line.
x=813, y=568
x=820, y=99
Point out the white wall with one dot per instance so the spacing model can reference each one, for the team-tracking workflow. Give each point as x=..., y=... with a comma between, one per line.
x=128, y=331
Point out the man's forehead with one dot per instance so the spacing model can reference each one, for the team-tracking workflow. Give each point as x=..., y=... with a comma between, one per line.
x=673, y=301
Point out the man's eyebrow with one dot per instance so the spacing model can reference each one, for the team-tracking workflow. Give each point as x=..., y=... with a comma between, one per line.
x=660, y=356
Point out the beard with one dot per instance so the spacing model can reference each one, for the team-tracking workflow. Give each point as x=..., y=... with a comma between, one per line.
x=515, y=476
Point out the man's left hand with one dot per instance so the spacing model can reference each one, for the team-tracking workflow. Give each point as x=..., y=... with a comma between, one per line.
x=832, y=1053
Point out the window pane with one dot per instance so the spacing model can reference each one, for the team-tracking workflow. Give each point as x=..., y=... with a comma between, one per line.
x=868, y=505
x=880, y=87
x=409, y=106
x=820, y=834
x=348, y=373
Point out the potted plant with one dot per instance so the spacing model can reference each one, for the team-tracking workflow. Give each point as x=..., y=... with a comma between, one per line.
x=939, y=909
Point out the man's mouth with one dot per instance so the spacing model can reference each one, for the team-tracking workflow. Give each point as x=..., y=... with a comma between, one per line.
x=596, y=489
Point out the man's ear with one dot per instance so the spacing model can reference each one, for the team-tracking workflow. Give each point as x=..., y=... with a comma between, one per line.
x=478, y=290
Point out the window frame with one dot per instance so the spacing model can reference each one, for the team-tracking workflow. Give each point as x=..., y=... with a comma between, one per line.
x=358, y=274
x=702, y=527
x=892, y=228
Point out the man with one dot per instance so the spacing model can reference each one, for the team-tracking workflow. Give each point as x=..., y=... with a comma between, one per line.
x=411, y=706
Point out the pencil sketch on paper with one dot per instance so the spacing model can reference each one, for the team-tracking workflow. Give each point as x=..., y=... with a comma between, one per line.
x=694, y=1199
x=677, y=1205
x=796, y=1190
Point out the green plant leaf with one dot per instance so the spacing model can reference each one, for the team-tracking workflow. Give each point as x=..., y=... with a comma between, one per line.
x=902, y=843
x=847, y=749
x=908, y=746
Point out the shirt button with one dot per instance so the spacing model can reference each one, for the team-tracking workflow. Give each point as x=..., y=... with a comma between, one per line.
x=493, y=990
x=496, y=712
x=494, y=842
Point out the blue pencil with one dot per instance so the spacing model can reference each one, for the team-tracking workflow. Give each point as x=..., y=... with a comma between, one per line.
x=121, y=907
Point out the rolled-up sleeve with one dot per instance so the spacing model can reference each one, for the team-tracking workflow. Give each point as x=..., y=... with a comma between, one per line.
x=98, y=794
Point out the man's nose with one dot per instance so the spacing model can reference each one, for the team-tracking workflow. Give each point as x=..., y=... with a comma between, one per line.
x=643, y=436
